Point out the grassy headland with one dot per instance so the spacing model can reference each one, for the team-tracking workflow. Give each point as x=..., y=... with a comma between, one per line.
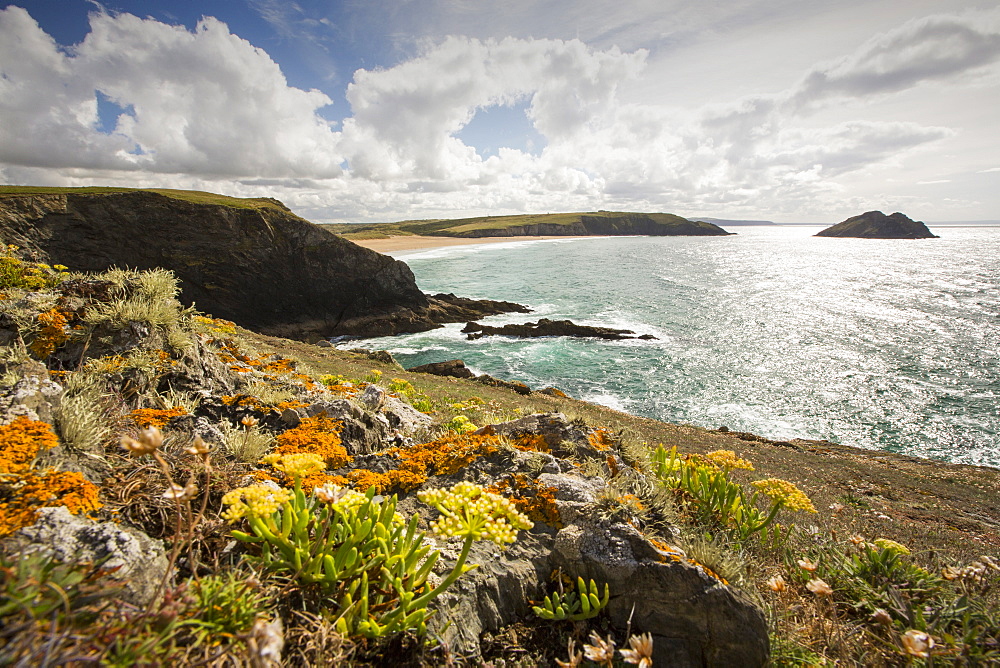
x=528, y=224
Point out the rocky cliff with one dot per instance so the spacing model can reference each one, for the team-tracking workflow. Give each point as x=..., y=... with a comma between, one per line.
x=877, y=225
x=254, y=262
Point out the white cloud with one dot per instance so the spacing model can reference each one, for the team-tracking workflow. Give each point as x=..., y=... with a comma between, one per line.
x=921, y=50
x=201, y=102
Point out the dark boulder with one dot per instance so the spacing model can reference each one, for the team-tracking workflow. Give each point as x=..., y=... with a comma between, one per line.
x=452, y=368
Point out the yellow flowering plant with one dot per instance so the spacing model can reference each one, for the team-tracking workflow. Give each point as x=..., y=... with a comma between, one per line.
x=706, y=490
x=357, y=549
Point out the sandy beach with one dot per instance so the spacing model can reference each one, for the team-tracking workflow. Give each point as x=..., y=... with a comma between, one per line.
x=415, y=242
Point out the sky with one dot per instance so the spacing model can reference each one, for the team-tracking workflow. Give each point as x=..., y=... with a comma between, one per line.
x=388, y=110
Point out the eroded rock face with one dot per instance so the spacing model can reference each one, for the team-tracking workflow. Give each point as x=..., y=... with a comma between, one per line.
x=877, y=225
x=262, y=266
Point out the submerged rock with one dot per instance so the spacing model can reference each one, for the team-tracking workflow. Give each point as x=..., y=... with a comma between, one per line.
x=877, y=225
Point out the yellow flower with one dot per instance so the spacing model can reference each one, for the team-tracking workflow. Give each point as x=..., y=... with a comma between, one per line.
x=467, y=510
x=254, y=501
x=785, y=494
x=777, y=583
x=727, y=459
x=297, y=465
x=891, y=545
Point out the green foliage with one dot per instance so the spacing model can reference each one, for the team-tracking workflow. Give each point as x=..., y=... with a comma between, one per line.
x=585, y=603
x=356, y=549
x=880, y=585
x=37, y=585
x=225, y=604
x=193, y=196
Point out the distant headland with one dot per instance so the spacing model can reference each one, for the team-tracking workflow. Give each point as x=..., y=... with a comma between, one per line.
x=598, y=223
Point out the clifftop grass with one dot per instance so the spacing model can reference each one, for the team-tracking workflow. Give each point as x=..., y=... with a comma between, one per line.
x=193, y=196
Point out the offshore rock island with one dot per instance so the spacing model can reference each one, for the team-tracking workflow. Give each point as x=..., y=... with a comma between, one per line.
x=877, y=225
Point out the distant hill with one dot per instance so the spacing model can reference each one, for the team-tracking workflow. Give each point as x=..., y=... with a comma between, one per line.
x=600, y=223
x=729, y=223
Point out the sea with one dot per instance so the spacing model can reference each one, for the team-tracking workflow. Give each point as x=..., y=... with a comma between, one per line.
x=883, y=344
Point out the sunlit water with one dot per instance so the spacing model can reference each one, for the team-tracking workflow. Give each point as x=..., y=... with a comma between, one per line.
x=884, y=344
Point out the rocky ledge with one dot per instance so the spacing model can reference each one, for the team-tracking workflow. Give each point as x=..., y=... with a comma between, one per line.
x=250, y=261
x=877, y=225
x=546, y=327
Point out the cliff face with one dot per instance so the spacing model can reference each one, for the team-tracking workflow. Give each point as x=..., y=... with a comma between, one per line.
x=652, y=224
x=877, y=225
x=262, y=267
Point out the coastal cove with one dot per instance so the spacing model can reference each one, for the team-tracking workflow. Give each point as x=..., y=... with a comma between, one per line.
x=881, y=344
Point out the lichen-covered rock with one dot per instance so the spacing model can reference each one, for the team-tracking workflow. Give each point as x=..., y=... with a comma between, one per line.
x=561, y=436
x=33, y=394
x=140, y=560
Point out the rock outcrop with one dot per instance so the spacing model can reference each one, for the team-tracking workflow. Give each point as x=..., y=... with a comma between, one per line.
x=457, y=369
x=255, y=262
x=877, y=225
x=546, y=327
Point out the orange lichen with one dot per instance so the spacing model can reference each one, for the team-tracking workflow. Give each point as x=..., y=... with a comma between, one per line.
x=600, y=439
x=53, y=333
x=443, y=456
x=156, y=417
x=22, y=490
x=21, y=441
x=531, y=443
x=530, y=497
x=316, y=435
x=242, y=401
x=675, y=554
